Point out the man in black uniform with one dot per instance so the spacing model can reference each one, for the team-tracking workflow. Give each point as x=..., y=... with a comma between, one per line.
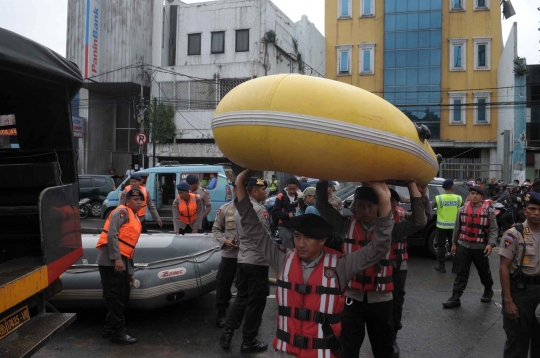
x=520, y=283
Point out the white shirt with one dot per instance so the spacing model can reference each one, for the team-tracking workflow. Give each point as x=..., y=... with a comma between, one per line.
x=129, y=172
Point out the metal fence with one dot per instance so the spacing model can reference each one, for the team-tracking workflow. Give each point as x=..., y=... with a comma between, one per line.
x=194, y=95
x=476, y=168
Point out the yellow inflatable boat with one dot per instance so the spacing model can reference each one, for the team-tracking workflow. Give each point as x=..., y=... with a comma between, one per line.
x=322, y=129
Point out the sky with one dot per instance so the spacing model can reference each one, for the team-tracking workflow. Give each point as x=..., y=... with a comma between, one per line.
x=45, y=21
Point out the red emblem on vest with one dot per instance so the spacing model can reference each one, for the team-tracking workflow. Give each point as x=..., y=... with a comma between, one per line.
x=329, y=272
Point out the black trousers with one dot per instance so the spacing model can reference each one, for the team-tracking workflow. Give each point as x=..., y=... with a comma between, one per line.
x=377, y=318
x=116, y=287
x=253, y=288
x=506, y=221
x=442, y=236
x=187, y=230
x=465, y=257
x=399, y=278
x=144, y=230
x=525, y=334
x=225, y=278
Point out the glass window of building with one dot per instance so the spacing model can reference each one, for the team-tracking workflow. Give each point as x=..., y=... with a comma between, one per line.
x=367, y=59
x=367, y=8
x=458, y=54
x=481, y=107
x=457, y=107
x=457, y=5
x=194, y=44
x=481, y=4
x=242, y=40
x=344, y=60
x=344, y=9
x=218, y=42
x=482, y=53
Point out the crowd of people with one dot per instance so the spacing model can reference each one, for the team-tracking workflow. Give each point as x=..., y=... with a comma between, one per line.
x=338, y=277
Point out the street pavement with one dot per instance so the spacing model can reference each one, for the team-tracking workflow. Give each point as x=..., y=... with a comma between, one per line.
x=187, y=329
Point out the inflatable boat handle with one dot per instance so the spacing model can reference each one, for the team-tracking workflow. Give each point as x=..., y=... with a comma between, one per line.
x=423, y=132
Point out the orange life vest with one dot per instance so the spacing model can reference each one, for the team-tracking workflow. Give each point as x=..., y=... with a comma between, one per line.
x=474, y=227
x=187, y=212
x=398, y=250
x=142, y=210
x=376, y=278
x=128, y=235
x=308, y=312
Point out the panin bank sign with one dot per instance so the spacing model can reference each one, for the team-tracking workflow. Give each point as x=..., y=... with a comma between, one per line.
x=91, y=48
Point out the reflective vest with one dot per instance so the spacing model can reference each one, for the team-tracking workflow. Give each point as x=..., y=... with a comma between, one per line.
x=187, y=212
x=377, y=278
x=474, y=227
x=308, y=312
x=398, y=250
x=447, y=210
x=128, y=235
x=273, y=185
x=142, y=210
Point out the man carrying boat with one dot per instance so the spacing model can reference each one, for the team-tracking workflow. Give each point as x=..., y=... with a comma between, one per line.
x=311, y=278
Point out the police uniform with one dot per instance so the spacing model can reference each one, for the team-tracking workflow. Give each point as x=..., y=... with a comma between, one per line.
x=184, y=220
x=369, y=296
x=524, y=251
x=117, y=241
x=475, y=228
x=251, y=283
x=310, y=292
x=273, y=188
x=225, y=229
x=204, y=196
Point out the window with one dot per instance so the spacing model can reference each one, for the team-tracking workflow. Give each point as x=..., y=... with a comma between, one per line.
x=367, y=59
x=457, y=107
x=218, y=42
x=367, y=8
x=85, y=182
x=344, y=9
x=194, y=44
x=344, y=60
x=457, y=5
x=481, y=5
x=458, y=54
x=242, y=40
x=481, y=107
x=98, y=182
x=482, y=53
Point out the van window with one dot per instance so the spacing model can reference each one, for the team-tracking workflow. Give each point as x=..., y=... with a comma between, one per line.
x=98, y=181
x=85, y=182
x=207, y=180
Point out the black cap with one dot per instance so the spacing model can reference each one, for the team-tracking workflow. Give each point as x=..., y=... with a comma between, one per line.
x=532, y=198
x=311, y=225
x=477, y=189
x=135, y=176
x=134, y=192
x=183, y=187
x=394, y=195
x=257, y=182
x=192, y=179
x=366, y=193
x=447, y=184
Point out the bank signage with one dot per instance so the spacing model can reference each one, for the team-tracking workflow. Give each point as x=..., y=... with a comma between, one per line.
x=92, y=38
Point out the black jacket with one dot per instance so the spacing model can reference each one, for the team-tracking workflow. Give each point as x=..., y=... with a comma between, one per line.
x=282, y=208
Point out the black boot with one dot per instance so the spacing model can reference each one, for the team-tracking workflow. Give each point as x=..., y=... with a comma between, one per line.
x=221, y=318
x=486, y=297
x=226, y=338
x=453, y=301
x=123, y=338
x=106, y=332
x=396, y=349
x=441, y=268
x=253, y=346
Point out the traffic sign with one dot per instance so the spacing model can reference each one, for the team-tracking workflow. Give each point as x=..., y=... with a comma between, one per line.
x=141, y=138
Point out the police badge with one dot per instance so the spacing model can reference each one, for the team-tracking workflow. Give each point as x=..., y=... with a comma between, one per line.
x=329, y=272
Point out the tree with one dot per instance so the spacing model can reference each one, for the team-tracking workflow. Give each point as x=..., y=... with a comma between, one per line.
x=164, y=129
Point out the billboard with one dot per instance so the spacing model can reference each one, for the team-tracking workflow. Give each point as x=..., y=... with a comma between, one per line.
x=78, y=126
x=92, y=38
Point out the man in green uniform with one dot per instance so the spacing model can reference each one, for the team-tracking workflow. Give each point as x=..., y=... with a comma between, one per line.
x=448, y=205
x=520, y=283
x=273, y=188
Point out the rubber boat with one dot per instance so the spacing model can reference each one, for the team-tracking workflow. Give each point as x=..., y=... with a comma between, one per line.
x=169, y=268
x=322, y=129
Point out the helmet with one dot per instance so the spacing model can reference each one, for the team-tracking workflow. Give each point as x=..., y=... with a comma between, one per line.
x=526, y=185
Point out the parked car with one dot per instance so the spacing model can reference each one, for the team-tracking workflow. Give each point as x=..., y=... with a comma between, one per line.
x=426, y=236
x=96, y=188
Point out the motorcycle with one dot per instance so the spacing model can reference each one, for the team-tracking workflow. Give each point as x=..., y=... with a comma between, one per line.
x=84, y=208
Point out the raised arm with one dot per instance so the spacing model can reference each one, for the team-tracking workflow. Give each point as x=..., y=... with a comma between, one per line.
x=418, y=218
x=328, y=212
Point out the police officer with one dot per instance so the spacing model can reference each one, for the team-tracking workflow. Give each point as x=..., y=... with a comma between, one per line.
x=311, y=278
x=225, y=232
x=116, y=246
x=448, y=205
x=206, y=206
x=185, y=210
x=520, y=282
x=369, y=294
x=273, y=187
x=135, y=182
x=252, y=277
x=475, y=236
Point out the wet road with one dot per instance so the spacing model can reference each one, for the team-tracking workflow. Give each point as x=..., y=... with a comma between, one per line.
x=474, y=330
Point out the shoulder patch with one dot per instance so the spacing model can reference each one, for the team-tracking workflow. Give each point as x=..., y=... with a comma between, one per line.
x=265, y=213
x=508, y=239
x=219, y=211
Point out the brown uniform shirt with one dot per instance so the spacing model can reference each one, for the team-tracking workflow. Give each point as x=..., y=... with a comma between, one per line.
x=513, y=244
x=225, y=229
x=176, y=220
x=205, y=202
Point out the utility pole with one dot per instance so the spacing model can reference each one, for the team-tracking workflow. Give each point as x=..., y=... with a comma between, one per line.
x=140, y=114
x=154, y=128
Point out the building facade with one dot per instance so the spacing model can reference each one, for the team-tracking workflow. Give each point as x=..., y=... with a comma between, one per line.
x=436, y=60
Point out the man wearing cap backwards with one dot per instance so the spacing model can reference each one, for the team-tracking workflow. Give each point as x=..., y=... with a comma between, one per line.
x=185, y=210
x=206, y=206
x=448, y=205
x=225, y=232
x=116, y=246
x=475, y=236
x=369, y=293
x=135, y=183
x=252, y=276
x=520, y=282
x=312, y=278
